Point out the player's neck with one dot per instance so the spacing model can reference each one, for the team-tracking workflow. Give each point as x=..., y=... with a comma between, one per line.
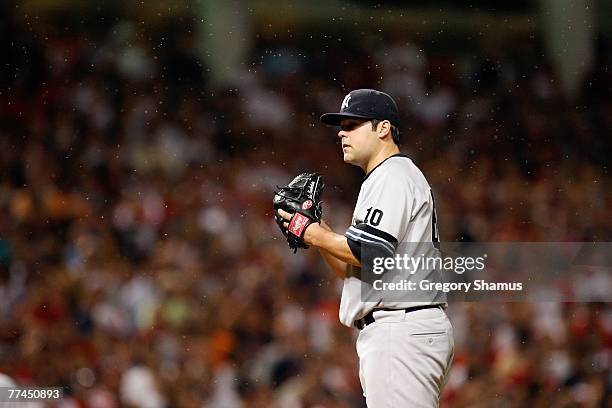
x=381, y=156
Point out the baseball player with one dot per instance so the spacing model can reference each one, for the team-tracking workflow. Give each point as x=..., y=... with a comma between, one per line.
x=405, y=344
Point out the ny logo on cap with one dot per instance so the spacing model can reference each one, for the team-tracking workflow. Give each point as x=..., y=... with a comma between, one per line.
x=345, y=102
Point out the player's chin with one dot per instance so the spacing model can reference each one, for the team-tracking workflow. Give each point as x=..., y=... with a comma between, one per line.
x=348, y=158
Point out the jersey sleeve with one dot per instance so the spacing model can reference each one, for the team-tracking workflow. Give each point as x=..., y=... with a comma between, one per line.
x=382, y=215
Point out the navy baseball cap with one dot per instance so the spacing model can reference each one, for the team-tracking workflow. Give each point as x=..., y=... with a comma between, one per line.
x=366, y=104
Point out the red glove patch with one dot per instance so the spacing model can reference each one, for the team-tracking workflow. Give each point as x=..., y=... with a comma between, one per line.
x=298, y=223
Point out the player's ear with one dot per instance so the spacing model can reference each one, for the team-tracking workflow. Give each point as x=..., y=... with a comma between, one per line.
x=384, y=129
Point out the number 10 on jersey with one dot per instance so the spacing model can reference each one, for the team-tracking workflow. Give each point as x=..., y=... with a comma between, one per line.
x=375, y=214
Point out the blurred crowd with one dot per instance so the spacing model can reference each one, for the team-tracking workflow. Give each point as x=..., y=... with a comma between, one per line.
x=139, y=262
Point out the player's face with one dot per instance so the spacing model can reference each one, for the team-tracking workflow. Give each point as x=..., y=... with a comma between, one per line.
x=358, y=140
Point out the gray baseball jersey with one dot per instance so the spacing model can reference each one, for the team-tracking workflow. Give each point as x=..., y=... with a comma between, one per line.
x=395, y=205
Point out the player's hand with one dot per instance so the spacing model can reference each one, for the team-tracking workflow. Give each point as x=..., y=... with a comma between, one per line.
x=286, y=216
x=310, y=230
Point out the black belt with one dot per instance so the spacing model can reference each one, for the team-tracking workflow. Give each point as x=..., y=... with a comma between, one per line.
x=369, y=318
